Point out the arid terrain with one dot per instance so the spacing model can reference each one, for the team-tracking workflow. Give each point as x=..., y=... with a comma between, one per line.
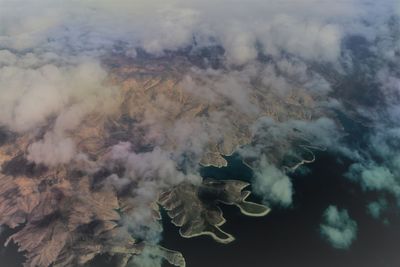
x=69, y=212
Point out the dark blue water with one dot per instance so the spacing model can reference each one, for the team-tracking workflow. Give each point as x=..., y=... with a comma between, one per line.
x=9, y=256
x=290, y=237
x=285, y=237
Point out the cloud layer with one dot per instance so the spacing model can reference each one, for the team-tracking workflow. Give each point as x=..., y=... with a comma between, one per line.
x=312, y=30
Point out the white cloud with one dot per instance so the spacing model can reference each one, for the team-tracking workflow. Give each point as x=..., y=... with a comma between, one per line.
x=29, y=96
x=374, y=177
x=52, y=150
x=377, y=207
x=271, y=183
x=338, y=228
x=156, y=166
x=378, y=170
x=309, y=29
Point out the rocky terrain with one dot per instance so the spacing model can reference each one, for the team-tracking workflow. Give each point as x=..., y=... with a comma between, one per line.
x=68, y=213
